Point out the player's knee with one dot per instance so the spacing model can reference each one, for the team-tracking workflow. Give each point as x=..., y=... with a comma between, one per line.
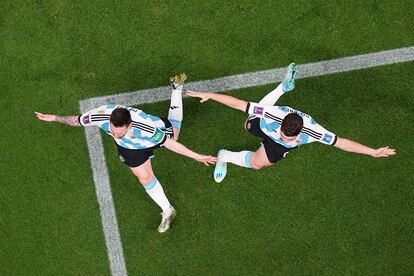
x=145, y=179
x=255, y=165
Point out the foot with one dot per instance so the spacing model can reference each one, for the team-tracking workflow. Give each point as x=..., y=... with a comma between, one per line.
x=289, y=80
x=177, y=81
x=166, y=220
x=220, y=170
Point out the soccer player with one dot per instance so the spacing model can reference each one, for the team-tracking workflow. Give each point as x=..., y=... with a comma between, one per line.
x=282, y=129
x=137, y=135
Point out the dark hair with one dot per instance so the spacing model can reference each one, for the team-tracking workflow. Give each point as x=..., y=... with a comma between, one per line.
x=120, y=117
x=292, y=124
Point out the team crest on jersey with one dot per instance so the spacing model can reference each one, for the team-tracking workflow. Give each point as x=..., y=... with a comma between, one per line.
x=327, y=138
x=86, y=120
x=258, y=110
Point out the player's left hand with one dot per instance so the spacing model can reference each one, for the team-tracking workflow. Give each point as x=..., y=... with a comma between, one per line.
x=207, y=159
x=384, y=152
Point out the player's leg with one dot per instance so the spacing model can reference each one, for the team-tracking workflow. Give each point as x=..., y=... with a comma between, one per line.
x=272, y=97
x=175, y=113
x=241, y=158
x=247, y=159
x=286, y=85
x=154, y=189
x=260, y=159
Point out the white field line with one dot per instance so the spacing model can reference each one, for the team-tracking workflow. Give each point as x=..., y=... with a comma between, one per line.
x=259, y=78
x=94, y=140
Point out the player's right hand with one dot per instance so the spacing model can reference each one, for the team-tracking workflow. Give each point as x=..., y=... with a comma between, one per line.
x=45, y=117
x=202, y=95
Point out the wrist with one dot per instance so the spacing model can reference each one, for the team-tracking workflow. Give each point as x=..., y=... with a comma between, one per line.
x=197, y=156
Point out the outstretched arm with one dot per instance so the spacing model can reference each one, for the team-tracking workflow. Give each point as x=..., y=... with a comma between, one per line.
x=181, y=149
x=223, y=99
x=67, y=120
x=352, y=146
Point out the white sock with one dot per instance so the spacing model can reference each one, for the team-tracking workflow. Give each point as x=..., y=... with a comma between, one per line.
x=175, y=113
x=242, y=158
x=156, y=192
x=273, y=96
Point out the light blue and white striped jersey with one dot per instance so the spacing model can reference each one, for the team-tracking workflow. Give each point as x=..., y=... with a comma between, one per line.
x=145, y=132
x=271, y=119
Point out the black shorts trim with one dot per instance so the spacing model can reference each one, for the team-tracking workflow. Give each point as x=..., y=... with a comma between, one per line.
x=274, y=151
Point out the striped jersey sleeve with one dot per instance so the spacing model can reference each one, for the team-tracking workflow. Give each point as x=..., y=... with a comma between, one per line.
x=313, y=132
x=97, y=116
x=259, y=110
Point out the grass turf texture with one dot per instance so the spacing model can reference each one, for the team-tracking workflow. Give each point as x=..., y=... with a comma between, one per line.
x=321, y=210
x=312, y=217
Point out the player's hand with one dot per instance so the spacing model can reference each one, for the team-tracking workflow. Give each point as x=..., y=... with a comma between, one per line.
x=203, y=96
x=45, y=117
x=384, y=152
x=207, y=159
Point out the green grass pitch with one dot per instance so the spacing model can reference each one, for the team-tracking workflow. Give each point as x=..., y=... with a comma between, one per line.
x=320, y=211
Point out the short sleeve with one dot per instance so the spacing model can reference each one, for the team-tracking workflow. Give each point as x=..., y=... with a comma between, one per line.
x=95, y=117
x=258, y=110
x=317, y=133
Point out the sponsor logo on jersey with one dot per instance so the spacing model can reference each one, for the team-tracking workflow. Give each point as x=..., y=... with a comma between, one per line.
x=258, y=110
x=158, y=136
x=327, y=138
x=86, y=120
